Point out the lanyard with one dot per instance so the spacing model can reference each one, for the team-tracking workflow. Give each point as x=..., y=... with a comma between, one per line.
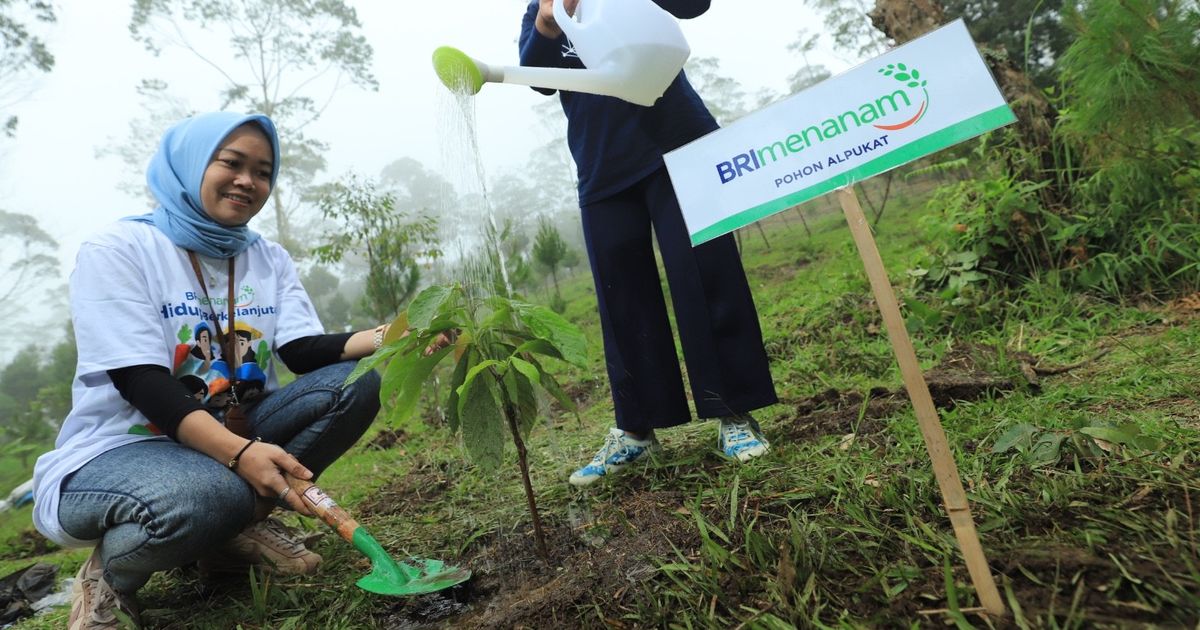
x=228, y=343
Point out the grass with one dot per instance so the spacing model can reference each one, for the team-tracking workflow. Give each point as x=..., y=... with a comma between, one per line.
x=840, y=526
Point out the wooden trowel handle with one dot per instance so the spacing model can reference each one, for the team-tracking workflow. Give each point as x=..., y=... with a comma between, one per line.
x=324, y=507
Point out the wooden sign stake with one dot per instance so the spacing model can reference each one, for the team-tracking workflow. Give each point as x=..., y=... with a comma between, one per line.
x=944, y=468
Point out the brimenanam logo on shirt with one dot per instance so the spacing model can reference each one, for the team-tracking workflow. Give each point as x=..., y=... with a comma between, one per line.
x=886, y=107
x=208, y=306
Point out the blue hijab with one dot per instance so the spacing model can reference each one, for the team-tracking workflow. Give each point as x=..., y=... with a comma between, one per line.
x=175, y=174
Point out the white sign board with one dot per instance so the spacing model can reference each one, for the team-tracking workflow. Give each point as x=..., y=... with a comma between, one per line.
x=924, y=96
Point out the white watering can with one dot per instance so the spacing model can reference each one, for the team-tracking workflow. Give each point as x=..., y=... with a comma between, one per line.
x=632, y=49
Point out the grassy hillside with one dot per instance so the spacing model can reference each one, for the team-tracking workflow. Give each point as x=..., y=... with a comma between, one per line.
x=1074, y=423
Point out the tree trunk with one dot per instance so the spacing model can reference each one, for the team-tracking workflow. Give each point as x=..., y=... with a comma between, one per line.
x=522, y=458
x=887, y=191
x=803, y=221
x=905, y=20
x=763, y=234
x=281, y=223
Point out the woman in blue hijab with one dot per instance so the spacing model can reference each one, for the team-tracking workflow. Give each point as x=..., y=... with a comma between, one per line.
x=144, y=472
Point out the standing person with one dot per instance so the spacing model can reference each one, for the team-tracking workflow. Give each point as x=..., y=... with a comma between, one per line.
x=143, y=470
x=624, y=194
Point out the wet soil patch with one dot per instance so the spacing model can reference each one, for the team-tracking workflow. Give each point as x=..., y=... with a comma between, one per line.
x=963, y=375
x=581, y=392
x=388, y=438
x=409, y=493
x=28, y=544
x=601, y=557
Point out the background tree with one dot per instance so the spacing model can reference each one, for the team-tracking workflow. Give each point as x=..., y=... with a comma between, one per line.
x=809, y=74
x=723, y=95
x=161, y=110
x=325, y=289
x=28, y=271
x=550, y=250
x=21, y=53
x=396, y=243
x=35, y=396
x=851, y=30
x=1030, y=32
x=290, y=57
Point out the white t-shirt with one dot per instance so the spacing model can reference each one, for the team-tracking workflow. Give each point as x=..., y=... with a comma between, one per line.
x=135, y=300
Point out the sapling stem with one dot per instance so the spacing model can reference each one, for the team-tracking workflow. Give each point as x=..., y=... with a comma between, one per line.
x=511, y=414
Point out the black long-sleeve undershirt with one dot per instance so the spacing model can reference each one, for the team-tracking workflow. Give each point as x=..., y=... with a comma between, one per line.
x=165, y=401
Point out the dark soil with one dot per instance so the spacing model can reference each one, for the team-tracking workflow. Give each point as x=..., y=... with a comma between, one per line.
x=420, y=487
x=29, y=544
x=388, y=438
x=959, y=377
x=512, y=587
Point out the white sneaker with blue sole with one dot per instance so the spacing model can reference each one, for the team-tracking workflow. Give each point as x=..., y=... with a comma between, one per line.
x=619, y=451
x=740, y=438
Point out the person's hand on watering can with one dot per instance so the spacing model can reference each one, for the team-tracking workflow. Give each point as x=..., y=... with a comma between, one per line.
x=545, y=23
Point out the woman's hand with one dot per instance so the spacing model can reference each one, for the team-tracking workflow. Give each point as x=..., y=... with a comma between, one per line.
x=441, y=341
x=545, y=22
x=263, y=465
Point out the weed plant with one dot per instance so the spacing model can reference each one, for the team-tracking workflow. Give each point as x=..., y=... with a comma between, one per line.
x=1124, y=149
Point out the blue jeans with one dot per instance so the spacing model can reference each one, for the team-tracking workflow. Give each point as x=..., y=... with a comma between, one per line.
x=157, y=504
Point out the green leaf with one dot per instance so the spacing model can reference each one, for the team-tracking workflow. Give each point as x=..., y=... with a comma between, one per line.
x=1019, y=436
x=539, y=346
x=412, y=383
x=397, y=329
x=474, y=371
x=366, y=364
x=499, y=317
x=966, y=260
x=903, y=76
x=1146, y=443
x=1116, y=436
x=482, y=424
x=426, y=306
x=395, y=373
x=551, y=385
x=927, y=314
x=526, y=368
x=548, y=325
x=469, y=357
x=1047, y=449
x=521, y=398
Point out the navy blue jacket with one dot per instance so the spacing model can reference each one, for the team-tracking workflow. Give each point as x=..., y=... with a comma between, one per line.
x=615, y=143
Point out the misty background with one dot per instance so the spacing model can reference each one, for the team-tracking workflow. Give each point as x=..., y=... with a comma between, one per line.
x=82, y=127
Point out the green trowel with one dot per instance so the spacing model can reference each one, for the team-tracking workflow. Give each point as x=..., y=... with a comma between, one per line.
x=387, y=577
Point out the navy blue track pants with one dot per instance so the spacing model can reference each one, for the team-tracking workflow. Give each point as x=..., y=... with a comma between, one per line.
x=718, y=325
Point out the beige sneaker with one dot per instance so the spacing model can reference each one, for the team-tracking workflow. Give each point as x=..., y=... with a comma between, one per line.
x=269, y=545
x=95, y=605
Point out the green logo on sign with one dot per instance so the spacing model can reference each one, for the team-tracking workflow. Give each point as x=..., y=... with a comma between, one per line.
x=910, y=77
